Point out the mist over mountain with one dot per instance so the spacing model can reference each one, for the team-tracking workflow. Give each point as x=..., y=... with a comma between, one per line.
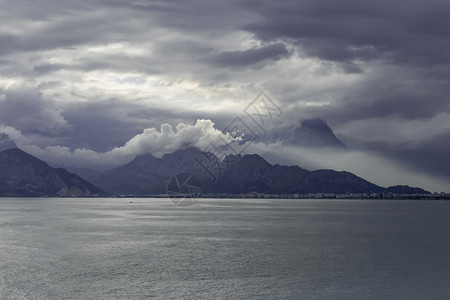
x=25, y=175
x=311, y=133
x=6, y=142
x=315, y=133
x=249, y=173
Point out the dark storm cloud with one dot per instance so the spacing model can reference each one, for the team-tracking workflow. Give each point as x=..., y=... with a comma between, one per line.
x=26, y=110
x=57, y=35
x=404, y=96
x=406, y=41
x=68, y=26
x=7, y=43
x=100, y=125
x=154, y=6
x=411, y=32
x=251, y=56
x=106, y=62
x=86, y=67
x=49, y=68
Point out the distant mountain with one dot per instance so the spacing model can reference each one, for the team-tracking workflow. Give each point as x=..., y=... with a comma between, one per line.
x=312, y=133
x=6, y=142
x=23, y=175
x=251, y=173
x=147, y=174
x=315, y=133
x=404, y=189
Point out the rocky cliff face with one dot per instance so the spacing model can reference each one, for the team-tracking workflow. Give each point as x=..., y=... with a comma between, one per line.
x=23, y=175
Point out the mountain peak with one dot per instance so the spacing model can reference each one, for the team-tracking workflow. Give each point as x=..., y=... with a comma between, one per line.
x=315, y=123
x=310, y=133
x=315, y=133
x=254, y=159
x=6, y=142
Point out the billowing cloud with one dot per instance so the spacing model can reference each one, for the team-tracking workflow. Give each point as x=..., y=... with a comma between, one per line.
x=167, y=139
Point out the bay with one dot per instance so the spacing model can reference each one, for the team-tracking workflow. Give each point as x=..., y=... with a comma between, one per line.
x=224, y=249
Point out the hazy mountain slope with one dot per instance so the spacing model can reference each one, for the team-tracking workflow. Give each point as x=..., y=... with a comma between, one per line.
x=6, y=142
x=147, y=174
x=315, y=133
x=23, y=175
x=311, y=133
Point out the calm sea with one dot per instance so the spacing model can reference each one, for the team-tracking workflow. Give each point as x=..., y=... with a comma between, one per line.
x=224, y=249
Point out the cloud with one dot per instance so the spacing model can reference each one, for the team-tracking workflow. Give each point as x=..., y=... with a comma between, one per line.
x=25, y=140
x=251, y=56
x=403, y=95
x=401, y=32
x=168, y=139
x=48, y=68
x=25, y=109
x=199, y=135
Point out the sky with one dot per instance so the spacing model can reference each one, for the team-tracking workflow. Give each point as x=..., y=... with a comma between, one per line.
x=97, y=82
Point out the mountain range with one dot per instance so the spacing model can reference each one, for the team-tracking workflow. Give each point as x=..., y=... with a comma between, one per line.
x=24, y=175
x=249, y=173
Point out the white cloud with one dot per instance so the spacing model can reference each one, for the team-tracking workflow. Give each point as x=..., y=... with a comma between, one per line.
x=25, y=140
x=168, y=139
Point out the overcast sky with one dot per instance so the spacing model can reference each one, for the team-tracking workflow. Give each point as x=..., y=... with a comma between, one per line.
x=95, y=80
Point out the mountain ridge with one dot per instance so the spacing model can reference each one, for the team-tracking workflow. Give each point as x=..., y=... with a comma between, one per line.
x=23, y=175
x=147, y=174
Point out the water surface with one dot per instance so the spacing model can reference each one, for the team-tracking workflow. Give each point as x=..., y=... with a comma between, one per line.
x=224, y=249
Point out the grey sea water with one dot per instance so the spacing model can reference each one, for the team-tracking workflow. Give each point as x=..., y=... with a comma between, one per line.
x=224, y=249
